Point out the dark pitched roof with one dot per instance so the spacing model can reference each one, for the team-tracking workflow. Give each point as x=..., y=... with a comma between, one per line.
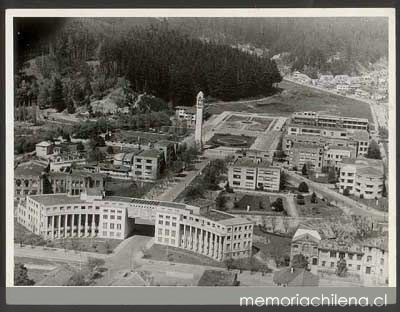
x=299, y=277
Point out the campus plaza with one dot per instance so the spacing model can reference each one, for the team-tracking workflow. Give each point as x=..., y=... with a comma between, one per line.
x=203, y=230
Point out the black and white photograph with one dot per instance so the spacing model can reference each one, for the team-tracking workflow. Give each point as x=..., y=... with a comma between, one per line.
x=173, y=150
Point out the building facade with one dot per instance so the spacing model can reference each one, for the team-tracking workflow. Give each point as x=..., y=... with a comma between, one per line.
x=209, y=232
x=252, y=175
x=362, y=177
x=366, y=260
x=330, y=121
x=306, y=154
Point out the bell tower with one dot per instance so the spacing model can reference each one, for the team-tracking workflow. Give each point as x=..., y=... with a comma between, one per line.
x=199, y=120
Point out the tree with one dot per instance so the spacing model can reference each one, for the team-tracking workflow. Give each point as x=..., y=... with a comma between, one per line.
x=286, y=224
x=274, y=223
x=110, y=150
x=229, y=263
x=94, y=263
x=304, y=170
x=277, y=205
x=313, y=198
x=300, y=199
x=221, y=202
x=96, y=155
x=346, y=191
x=299, y=261
x=80, y=147
x=374, y=151
x=282, y=181
x=77, y=279
x=21, y=275
x=71, y=107
x=341, y=268
x=303, y=187
x=56, y=95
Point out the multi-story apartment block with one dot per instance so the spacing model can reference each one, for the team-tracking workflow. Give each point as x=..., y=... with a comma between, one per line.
x=366, y=259
x=362, y=177
x=186, y=114
x=92, y=214
x=334, y=155
x=250, y=174
x=255, y=155
x=147, y=165
x=44, y=149
x=330, y=121
x=354, y=139
x=310, y=155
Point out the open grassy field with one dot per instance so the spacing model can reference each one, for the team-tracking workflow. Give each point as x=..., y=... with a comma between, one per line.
x=318, y=209
x=294, y=98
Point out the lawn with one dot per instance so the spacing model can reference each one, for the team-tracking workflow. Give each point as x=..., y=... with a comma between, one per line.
x=232, y=140
x=103, y=246
x=382, y=205
x=272, y=246
x=257, y=203
x=26, y=237
x=294, y=98
x=177, y=255
x=320, y=209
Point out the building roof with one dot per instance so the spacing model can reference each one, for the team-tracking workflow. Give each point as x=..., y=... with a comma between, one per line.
x=342, y=148
x=29, y=169
x=370, y=171
x=56, y=199
x=299, y=277
x=340, y=246
x=234, y=221
x=217, y=278
x=44, y=144
x=244, y=162
x=306, y=146
x=215, y=215
x=300, y=232
x=360, y=135
x=151, y=153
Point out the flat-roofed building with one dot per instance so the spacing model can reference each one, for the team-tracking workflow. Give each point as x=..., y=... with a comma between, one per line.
x=333, y=155
x=186, y=114
x=204, y=231
x=311, y=155
x=330, y=121
x=148, y=164
x=366, y=260
x=60, y=162
x=44, y=149
x=250, y=174
x=75, y=182
x=362, y=177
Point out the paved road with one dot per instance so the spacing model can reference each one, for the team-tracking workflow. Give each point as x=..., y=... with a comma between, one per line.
x=172, y=192
x=348, y=205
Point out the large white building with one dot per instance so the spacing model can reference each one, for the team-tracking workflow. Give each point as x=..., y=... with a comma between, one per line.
x=205, y=231
x=252, y=175
x=362, y=177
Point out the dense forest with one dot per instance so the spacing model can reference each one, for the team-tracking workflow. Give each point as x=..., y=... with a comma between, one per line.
x=310, y=42
x=165, y=57
x=156, y=59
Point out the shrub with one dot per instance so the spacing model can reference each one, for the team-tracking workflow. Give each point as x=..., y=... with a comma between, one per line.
x=303, y=187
